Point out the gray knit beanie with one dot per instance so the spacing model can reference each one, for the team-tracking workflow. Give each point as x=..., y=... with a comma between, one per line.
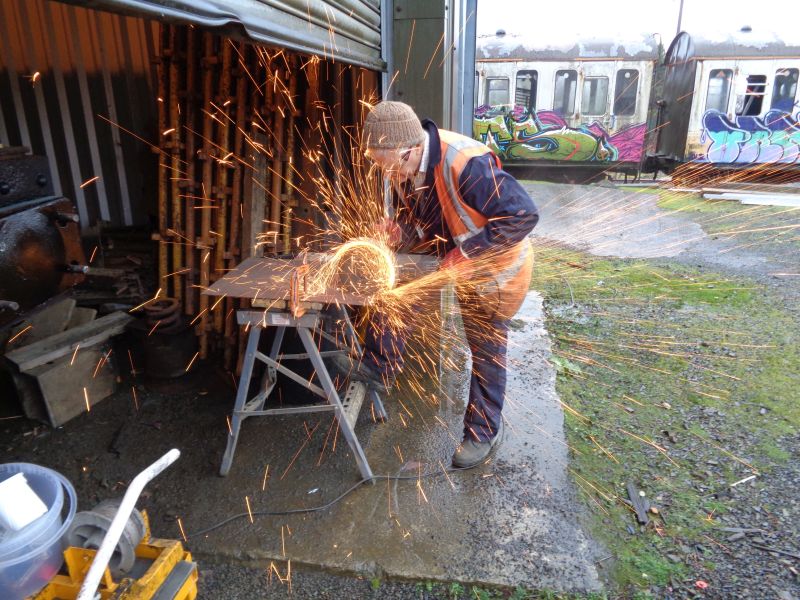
x=391, y=125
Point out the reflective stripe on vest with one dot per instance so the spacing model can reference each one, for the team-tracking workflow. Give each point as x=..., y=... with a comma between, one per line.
x=506, y=275
x=462, y=220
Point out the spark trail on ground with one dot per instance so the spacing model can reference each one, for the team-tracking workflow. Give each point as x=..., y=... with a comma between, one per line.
x=347, y=191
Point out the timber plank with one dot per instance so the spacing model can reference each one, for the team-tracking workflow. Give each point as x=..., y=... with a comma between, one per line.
x=54, y=347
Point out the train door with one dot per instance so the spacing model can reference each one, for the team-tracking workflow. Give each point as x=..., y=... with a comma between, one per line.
x=625, y=107
x=594, y=97
x=675, y=104
x=565, y=95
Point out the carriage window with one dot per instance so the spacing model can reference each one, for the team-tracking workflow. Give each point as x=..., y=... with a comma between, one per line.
x=625, y=92
x=594, y=99
x=525, y=90
x=719, y=88
x=497, y=91
x=564, y=96
x=753, y=97
x=784, y=90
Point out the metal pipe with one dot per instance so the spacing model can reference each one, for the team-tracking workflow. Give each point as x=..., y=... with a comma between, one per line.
x=222, y=172
x=114, y=532
x=189, y=184
x=174, y=146
x=209, y=60
x=163, y=256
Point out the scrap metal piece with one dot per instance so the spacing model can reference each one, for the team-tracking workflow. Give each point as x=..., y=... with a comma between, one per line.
x=90, y=527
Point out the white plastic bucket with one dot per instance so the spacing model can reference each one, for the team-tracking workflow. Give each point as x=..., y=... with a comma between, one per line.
x=30, y=557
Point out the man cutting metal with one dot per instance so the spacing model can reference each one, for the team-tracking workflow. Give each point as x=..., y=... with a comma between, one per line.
x=451, y=198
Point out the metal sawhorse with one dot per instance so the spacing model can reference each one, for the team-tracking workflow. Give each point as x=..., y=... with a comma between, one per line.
x=307, y=325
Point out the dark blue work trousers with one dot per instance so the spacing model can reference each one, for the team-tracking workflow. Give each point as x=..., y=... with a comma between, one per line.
x=487, y=336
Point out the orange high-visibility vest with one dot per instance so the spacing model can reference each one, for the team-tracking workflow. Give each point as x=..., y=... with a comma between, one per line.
x=504, y=275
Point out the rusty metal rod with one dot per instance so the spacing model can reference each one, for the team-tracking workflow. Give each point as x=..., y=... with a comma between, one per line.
x=163, y=198
x=222, y=189
x=175, y=149
x=189, y=187
x=209, y=60
x=279, y=151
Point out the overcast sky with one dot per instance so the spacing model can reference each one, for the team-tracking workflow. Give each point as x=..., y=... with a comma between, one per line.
x=712, y=19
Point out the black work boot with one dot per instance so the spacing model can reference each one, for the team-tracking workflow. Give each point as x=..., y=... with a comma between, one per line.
x=358, y=371
x=472, y=452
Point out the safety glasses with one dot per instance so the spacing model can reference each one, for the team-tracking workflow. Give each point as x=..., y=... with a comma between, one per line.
x=385, y=157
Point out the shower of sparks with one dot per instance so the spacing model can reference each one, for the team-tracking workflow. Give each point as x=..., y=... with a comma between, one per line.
x=340, y=186
x=191, y=362
x=86, y=399
x=89, y=181
x=20, y=334
x=249, y=512
x=183, y=533
x=146, y=302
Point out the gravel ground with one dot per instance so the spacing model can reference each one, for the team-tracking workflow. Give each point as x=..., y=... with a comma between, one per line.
x=764, y=512
x=766, y=508
x=240, y=582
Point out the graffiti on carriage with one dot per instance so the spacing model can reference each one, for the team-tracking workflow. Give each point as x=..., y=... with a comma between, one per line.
x=545, y=135
x=775, y=137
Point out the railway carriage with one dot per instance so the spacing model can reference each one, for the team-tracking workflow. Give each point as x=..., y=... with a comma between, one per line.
x=579, y=110
x=732, y=105
x=596, y=107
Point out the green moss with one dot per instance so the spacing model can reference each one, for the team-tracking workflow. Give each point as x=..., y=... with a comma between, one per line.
x=694, y=203
x=642, y=189
x=643, y=351
x=747, y=225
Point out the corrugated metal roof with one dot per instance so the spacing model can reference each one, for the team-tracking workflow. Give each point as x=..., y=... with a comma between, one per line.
x=346, y=30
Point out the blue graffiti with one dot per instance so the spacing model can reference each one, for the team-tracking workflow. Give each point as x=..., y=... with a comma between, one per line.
x=773, y=138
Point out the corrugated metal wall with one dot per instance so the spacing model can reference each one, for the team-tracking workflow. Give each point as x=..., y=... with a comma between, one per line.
x=65, y=73
x=344, y=30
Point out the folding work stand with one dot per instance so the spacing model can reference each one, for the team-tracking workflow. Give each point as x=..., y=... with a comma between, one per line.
x=308, y=325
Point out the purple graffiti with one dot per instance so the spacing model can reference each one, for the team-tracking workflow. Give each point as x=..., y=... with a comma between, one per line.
x=550, y=117
x=749, y=139
x=630, y=142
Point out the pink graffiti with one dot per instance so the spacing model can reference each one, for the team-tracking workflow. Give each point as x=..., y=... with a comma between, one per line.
x=629, y=142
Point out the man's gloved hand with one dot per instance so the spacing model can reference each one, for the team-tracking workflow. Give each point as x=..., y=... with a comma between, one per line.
x=455, y=260
x=390, y=231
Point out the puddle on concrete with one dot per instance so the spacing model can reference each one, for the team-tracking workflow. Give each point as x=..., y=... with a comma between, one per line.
x=512, y=522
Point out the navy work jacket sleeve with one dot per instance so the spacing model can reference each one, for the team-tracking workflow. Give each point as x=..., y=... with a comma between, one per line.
x=495, y=194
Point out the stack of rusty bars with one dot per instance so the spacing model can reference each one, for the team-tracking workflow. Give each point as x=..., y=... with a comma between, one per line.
x=237, y=122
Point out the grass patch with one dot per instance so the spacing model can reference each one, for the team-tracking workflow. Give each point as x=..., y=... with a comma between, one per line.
x=747, y=224
x=678, y=380
x=428, y=590
x=641, y=189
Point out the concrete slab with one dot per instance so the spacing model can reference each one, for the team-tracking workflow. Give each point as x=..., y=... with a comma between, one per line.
x=513, y=522
x=608, y=221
